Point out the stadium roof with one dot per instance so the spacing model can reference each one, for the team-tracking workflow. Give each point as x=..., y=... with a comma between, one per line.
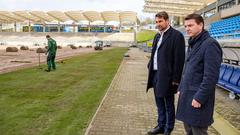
x=175, y=7
x=76, y=16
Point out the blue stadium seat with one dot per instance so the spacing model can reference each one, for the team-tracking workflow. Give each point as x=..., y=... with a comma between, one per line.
x=222, y=70
x=234, y=83
x=226, y=76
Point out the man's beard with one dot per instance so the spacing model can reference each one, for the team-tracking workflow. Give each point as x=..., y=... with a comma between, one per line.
x=160, y=28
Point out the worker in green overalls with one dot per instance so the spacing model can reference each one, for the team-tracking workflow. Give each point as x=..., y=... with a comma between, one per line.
x=51, y=53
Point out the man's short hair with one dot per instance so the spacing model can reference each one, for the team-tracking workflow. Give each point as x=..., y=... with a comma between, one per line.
x=198, y=18
x=163, y=15
x=47, y=36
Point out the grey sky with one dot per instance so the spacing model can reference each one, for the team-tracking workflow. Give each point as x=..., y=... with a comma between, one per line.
x=65, y=5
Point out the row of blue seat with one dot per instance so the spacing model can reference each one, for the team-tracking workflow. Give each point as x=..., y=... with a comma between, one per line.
x=219, y=30
x=229, y=27
x=231, y=19
x=229, y=78
x=226, y=23
x=227, y=36
x=224, y=32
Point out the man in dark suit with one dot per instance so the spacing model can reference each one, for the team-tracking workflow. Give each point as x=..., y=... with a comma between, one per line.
x=165, y=70
x=197, y=87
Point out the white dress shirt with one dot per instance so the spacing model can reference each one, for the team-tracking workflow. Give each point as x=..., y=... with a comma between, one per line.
x=158, y=45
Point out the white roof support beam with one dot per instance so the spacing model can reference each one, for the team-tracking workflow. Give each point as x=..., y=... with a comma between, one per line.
x=175, y=3
x=178, y=7
x=60, y=16
x=128, y=16
x=72, y=18
x=42, y=15
x=26, y=16
x=202, y=1
x=11, y=16
x=5, y=19
x=93, y=16
x=170, y=9
x=76, y=16
x=110, y=16
x=149, y=10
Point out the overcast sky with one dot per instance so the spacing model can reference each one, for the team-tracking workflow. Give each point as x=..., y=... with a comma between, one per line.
x=66, y=5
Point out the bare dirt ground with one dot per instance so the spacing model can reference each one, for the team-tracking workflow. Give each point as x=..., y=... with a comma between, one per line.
x=11, y=61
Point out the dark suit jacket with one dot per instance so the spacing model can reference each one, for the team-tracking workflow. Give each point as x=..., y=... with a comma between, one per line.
x=200, y=76
x=170, y=61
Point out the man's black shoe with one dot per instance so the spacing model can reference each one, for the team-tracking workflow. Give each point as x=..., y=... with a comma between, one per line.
x=47, y=70
x=156, y=130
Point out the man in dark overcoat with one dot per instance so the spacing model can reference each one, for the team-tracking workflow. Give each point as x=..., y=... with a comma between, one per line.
x=201, y=71
x=165, y=70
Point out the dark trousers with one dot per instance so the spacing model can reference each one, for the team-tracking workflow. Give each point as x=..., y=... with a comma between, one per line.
x=166, y=110
x=51, y=61
x=193, y=130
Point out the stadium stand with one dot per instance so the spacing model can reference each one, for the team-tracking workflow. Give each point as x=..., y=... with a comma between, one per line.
x=63, y=39
x=29, y=28
x=226, y=29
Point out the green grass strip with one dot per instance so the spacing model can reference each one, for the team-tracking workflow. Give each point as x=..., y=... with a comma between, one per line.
x=145, y=35
x=62, y=102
